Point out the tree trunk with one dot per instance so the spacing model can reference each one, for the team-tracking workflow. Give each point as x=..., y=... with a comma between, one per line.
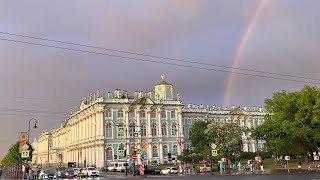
x=275, y=161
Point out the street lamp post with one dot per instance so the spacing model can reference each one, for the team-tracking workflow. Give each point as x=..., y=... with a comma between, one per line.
x=35, y=127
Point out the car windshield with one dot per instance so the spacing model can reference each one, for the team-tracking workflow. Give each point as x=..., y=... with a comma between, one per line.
x=174, y=169
x=49, y=171
x=92, y=169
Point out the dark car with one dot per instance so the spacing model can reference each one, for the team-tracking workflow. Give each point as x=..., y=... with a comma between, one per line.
x=154, y=171
x=69, y=173
x=147, y=170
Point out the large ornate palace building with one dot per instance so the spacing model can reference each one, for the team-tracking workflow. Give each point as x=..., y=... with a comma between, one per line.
x=156, y=122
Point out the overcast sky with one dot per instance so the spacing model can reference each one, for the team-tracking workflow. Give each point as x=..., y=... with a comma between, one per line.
x=44, y=83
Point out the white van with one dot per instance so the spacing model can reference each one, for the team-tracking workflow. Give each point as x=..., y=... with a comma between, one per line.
x=113, y=166
x=119, y=166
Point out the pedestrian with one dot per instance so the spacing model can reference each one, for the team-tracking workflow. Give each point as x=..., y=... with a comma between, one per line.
x=222, y=165
x=193, y=168
x=180, y=169
x=261, y=164
x=0, y=171
x=299, y=165
x=234, y=167
x=27, y=172
x=280, y=159
x=189, y=167
x=23, y=171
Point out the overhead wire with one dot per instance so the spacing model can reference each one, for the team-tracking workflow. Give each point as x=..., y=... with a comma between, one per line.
x=154, y=61
x=157, y=57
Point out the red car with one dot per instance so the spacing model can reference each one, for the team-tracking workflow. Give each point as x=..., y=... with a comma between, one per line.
x=69, y=173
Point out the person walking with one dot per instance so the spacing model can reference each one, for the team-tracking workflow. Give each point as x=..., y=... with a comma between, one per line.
x=23, y=171
x=222, y=165
x=299, y=165
x=189, y=167
x=261, y=165
x=234, y=167
x=1, y=171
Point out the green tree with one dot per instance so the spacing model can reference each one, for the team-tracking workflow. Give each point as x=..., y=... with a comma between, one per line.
x=13, y=155
x=227, y=137
x=198, y=138
x=292, y=122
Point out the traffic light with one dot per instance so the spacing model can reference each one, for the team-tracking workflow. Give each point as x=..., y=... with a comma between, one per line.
x=169, y=155
x=135, y=149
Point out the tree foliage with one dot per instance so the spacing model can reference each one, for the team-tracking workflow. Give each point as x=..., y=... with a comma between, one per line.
x=13, y=155
x=227, y=137
x=292, y=123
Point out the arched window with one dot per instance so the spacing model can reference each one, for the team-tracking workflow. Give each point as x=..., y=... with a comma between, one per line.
x=163, y=115
x=143, y=130
x=109, y=130
x=174, y=129
x=164, y=130
x=120, y=113
x=154, y=151
x=142, y=114
x=154, y=130
x=109, y=153
x=165, y=150
x=175, y=149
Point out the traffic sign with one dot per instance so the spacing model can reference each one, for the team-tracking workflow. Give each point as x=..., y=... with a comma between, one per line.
x=25, y=146
x=136, y=134
x=134, y=157
x=316, y=158
x=287, y=158
x=25, y=154
x=213, y=146
x=214, y=152
x=141, y=158
x=173, y=153
x=121, y=153
x=258, y=158
x=121, y=130
x=139, y=151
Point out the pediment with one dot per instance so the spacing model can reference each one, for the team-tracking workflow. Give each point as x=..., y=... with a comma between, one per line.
x=238, y=111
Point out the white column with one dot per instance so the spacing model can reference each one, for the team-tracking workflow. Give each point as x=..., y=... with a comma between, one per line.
x=181, y=135
x=159, y=124
x=160, y=153
x=138, y=129
x=127, y=133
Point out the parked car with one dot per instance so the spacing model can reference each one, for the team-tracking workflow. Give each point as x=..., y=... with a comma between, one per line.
x=169, y=170
x=119, y=166
x=48, y=174
x=59, y=171
x=91, y=171
x=69, y=173
x=147, y=170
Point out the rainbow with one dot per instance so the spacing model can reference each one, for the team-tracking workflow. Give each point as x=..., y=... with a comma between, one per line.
x=243, y=41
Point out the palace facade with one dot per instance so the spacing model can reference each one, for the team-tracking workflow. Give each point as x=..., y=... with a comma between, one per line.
x=154, y=122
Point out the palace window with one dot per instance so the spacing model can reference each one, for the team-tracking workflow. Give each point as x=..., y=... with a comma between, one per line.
x=175, y=149
x=154, y=151
x=164, y=130
x=109, y=153
x=153, y=114
x=120, y=113
x=165, y=151
x=109, y=130
x=108, y=113
x=132, y=129
x=173, y=114
x=163, y=115
x=154, y=130
x=143, y=130
x=174, y=130
x=132, y=114
x=142, y=114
